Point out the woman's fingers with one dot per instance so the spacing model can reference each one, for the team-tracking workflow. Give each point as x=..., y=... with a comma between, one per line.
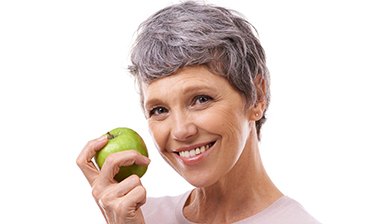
x=125, y=186
x=114, y=161
x=84, y=160
x=117, y=191
x=135, y=198
x=129, y=205
x=120, y=202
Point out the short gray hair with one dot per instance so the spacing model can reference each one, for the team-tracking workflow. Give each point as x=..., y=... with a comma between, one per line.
x=190, y=34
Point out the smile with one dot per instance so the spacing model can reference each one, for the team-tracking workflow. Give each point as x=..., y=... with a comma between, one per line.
x=196, y=151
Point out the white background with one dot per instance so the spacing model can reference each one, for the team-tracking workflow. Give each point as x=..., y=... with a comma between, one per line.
x=63, y=81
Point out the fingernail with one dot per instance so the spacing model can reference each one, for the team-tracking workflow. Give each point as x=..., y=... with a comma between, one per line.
x=148, y=160
x=102, y=138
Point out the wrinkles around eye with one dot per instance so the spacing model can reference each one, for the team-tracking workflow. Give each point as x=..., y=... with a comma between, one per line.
x=201, y=99
x=157, y=111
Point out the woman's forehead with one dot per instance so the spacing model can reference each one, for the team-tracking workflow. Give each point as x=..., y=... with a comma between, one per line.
x=182, y=82
x=184, y=77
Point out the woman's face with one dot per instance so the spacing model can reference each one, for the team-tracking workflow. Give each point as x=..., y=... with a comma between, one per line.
x=199, y=123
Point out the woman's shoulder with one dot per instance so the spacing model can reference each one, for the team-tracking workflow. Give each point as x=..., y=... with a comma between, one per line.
x=293, y=212
x=167, y=209
x=284, y=210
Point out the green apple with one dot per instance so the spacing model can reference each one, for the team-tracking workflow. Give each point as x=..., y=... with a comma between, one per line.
x=121, y=139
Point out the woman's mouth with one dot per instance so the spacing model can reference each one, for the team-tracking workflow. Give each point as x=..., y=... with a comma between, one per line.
x=196, y=151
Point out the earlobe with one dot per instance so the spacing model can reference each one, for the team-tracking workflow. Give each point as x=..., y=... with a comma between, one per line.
x=257, y=111
x=259, y=107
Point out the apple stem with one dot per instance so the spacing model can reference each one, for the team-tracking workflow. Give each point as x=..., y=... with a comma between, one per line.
x=110, y=136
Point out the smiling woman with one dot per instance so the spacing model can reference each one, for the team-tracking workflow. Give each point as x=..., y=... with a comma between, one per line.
x=204, y=86
x=199, y=123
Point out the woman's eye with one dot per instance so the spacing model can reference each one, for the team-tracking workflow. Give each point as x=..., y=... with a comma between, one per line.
x=157, y=111
x=201, y=99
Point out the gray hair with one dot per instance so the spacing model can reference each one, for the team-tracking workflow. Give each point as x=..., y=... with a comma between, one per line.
x=190, y=34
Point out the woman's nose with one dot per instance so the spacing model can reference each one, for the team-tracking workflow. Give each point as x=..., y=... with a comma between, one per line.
x=183, y=128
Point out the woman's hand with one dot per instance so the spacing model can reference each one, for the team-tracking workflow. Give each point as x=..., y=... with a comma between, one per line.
x=119, y=202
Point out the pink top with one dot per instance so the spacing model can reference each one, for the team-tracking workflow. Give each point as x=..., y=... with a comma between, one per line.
x=168, y=210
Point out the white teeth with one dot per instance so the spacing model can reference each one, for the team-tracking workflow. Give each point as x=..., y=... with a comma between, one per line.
x=197, y=151
x=194, y=152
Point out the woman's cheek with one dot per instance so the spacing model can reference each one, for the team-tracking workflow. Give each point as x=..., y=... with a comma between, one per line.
x=231, y=124
x=159, y=133
x=216, y=119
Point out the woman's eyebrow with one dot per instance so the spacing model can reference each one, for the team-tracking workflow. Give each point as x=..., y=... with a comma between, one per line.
x=151, y=102
x=198, y=87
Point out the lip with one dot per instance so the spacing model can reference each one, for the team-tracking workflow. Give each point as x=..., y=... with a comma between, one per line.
x=197, y=158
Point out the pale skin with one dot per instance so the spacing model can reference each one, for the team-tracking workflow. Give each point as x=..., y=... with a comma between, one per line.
x=191, y=109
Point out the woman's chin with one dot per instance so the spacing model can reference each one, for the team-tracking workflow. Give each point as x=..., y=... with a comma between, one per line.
x=199, y=181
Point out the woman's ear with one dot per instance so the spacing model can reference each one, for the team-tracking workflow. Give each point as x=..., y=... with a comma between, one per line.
x=258, y=108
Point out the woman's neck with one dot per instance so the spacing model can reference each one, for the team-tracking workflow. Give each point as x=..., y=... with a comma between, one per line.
x=243, y=192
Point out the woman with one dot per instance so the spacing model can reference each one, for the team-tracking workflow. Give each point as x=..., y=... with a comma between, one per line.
x=204, y=87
